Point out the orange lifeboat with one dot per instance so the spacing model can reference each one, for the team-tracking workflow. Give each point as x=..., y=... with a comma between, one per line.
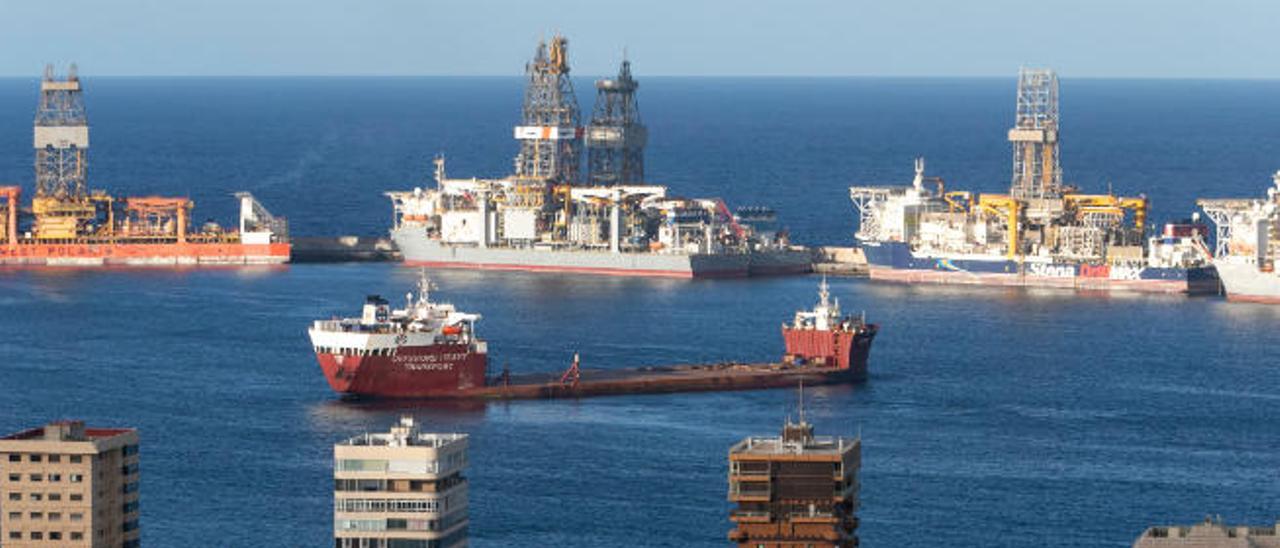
x=452, y=330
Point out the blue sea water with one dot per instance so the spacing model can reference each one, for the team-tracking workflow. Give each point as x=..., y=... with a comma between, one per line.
x=993, y=417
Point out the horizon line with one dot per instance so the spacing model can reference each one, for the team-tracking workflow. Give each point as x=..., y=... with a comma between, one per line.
x=777, y=76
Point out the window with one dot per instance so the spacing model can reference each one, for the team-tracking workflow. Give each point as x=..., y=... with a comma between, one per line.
x=36, y=496
x=15, y=515
x=130, y=450
x=15, y=496
x=55, y=496
x=55, y=477
x=37, y=535
x=55, y=458
x=75, y=459
x=129, y=469
x=55, y=516
x=75, y=478
x=77, y=517
x=34, y=457
x=15, y=535
x=130, y=507
x=77, y=536
x=37, y=515
x=14, y=457
x=130, y=488
x=130, y=525
x=55, y=535
x=76, y=497
x=15, y=477
x=36, y=477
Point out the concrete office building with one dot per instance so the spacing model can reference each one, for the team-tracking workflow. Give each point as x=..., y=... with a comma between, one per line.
x=67, y=485
x=1211, y=533
x=401, y=489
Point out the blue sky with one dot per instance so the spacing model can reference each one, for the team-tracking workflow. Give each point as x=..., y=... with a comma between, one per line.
x=1080, y=38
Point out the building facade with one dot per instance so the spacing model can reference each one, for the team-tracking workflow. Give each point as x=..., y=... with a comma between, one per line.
x=795, y=490
x=1211, y=533
x=401, y=489
x=67, y=485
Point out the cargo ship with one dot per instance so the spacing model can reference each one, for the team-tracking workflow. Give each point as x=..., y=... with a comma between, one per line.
x=546, y=217
x=431, y=351
x=69, y=225
x=1041, y=234
x=1248, y=245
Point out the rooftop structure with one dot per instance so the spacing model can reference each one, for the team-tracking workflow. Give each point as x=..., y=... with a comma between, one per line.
x=616, y=138
x=1211, y=533
x=401, y=489
x=550, y=133
x=795, y=489
x=70, y=486
x=1036, y=170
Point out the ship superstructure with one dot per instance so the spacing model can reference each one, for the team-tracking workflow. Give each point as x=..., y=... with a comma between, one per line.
x=424, y=349
x=1248, y=245
x=1042, y=233
x=546, y=217
x=71, y=225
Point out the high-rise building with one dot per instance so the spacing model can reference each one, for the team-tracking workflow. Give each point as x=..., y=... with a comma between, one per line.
x=69, y=486
x=1211, y=533
x=795, y=490
x=401, y=489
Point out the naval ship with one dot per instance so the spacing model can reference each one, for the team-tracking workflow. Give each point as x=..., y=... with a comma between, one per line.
x=1042, y=233
x=545, y=217
x=1248, y=245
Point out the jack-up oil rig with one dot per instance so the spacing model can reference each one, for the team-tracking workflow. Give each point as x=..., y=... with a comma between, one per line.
x=70, y=225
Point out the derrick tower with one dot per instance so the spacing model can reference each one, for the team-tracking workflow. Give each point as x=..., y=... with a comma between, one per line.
x=550, y=133
x=616, y=138
x=61, y=138
x=1036, y=171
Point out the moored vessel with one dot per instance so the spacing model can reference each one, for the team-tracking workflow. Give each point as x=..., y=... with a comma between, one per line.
x=1043, y=233
x=1248, y=245
x=69, y=225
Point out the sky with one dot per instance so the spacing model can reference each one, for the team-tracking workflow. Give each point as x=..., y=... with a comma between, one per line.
x=1078, y=38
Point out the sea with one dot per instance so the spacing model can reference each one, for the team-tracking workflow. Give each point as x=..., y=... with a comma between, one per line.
x=992, y=416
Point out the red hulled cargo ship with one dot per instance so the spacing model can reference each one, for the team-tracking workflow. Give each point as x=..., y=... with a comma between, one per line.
x=430, y=351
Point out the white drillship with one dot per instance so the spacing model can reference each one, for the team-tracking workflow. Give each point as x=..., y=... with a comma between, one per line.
x=1248, y=245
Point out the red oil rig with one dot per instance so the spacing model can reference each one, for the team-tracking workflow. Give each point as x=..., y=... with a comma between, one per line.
x=69, y=225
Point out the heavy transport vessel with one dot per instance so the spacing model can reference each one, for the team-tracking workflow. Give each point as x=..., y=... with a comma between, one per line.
x=431, y=351
x=1042, y=233
x=1248, y=245
x=68, y=225
x=545, y=217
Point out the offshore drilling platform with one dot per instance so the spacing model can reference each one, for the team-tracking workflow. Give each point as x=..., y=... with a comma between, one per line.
x=69, y=225
x=1042, y=233
x=548, y=216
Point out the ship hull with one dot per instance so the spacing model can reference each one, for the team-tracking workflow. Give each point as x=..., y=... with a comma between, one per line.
x=780, y=262
x=140, y=254
x=1245, y=283
x=843, y=350
x=410, y=372
x=419, y=250
x=894, y=261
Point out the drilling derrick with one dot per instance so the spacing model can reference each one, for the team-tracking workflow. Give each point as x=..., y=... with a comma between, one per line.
x=550, y=134
x=61, y=138
x=616, y=138
x=1036, y=171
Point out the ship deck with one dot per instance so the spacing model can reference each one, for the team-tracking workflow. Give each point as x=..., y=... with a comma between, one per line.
x=651, y=380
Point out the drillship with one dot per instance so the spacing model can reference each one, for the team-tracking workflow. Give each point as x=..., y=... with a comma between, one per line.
x=544, y=218
x=1042, y=233
x=72, y=226
x=1248, y=245
x=425, y=349
x=428, y=350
